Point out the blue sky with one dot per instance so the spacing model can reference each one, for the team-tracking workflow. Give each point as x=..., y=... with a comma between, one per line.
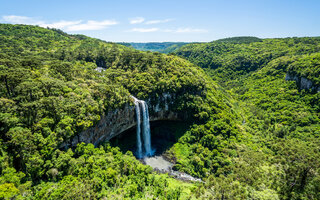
x=165, y=20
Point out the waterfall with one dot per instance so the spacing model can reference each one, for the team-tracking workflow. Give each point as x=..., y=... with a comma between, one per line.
x=141, y=107
x=139, y=145
x=146, y=128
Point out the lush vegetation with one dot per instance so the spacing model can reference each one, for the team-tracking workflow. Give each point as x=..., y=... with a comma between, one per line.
x=277, y=156
x=51, y=91
x=231, y=60
x=256, y=137
x=239, y=40
x=308, y=66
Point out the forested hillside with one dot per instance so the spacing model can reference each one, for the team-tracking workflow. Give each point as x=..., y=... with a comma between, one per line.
x=233, y=59
x=278, y=157
x=51, y=90
x=253, y=108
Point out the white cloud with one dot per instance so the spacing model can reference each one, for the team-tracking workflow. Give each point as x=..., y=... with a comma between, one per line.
x=136, y=20
x=61, y=24
x=78, y=25
x=14, y=19
x=91, y=25
x=191, y=30
x=186, y=30
x=177, y=30
x=144, y=30
x=158, y=21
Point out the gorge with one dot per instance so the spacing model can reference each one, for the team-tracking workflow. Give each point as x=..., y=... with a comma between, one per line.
x=81, y=118
x=118, y=121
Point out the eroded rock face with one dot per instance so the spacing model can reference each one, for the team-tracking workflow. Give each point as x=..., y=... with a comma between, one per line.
x=119, y=120
x=302, y=82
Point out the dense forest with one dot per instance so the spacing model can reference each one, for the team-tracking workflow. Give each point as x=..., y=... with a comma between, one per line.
x=278, y=155
x=51, y=91
x=255, y=124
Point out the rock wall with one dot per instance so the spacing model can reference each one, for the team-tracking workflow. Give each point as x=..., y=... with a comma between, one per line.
x=302, y=82
x=119, y=120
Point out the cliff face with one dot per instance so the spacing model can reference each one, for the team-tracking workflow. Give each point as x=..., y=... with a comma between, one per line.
x=302, y=82
x=117, y=121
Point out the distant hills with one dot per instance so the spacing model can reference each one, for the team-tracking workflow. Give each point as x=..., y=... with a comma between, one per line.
x=169, y=47
x=253, y=105
x=54, y=85
x=240, y=40
x=162, y=47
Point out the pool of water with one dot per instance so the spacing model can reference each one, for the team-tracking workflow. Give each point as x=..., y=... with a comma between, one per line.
x=164, y=134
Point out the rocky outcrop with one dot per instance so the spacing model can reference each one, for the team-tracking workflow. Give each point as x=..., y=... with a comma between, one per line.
x=119, y=120
x=302, y=82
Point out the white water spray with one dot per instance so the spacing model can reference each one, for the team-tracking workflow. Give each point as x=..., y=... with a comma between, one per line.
x=142, y=105
x=139, y=145
x=146, y=129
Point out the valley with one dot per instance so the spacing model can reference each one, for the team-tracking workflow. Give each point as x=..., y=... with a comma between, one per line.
x=81, y=118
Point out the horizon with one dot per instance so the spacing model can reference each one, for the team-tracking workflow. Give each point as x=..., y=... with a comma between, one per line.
x=166, y=21
x=220, y=39
x=146, y=42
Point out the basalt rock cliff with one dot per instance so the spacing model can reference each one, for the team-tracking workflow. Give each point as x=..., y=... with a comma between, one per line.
x=119, y=120
x=302, y=82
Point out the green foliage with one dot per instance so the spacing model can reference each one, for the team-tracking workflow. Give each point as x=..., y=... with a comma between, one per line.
x=229, y=60
x=276, y=156
x=302, y=170
x=51, y=90
x=8, y=191
x=239, y=40
x=257, y=137
x=307, y=66
x=102, y=173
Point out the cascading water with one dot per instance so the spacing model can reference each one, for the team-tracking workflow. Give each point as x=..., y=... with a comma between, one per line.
x=146, y=128
x=141, y=105
x=139, y=145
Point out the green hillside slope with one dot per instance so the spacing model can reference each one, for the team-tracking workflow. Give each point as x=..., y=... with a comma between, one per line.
x=229, y=60
x=281, y=119
x=253, y=108
x=50, y=91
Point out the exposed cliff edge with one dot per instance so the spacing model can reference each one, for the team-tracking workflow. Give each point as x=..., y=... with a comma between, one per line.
x=119, y=120
x=302, y=82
